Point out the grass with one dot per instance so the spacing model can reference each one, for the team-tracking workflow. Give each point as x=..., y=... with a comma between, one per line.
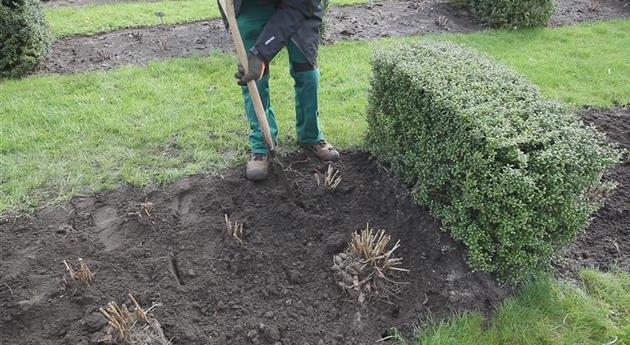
x=584, y=65
x=594, y=311
x=63, y=135
x=97, y=18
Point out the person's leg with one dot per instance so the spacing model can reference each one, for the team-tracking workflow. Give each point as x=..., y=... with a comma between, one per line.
x=306, y=77
x=309, y=132
x=251, y=19
x=256, y=138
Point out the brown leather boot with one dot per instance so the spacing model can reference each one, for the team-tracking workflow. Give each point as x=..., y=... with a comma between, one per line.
x=257, y=167
x=324, y=151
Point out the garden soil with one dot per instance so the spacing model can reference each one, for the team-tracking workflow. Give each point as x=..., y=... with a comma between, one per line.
x=369, y=21
x=275, y=288
x=575, y=11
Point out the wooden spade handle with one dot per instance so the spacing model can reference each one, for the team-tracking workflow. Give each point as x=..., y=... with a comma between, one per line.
x=228, y=9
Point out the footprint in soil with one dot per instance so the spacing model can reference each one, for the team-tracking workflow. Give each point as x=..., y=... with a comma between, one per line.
x=184, y=201
x=107, y=224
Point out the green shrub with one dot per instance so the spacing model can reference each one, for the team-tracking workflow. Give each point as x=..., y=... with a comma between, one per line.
x=24, y=36
x=509, y=174
x=517, y=13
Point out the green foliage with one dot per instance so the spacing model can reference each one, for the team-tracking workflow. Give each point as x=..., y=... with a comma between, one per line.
x=510, y=174
x=24, y=36
x=518, y=13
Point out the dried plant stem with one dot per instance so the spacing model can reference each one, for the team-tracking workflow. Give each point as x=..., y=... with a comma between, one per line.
x=441, y=21
x=234, y=229
x=70, y=271
x=330, y=180
x=120, y=319
x=333, y=178
x=140, y=313
x=84, y=275
x=133, y=327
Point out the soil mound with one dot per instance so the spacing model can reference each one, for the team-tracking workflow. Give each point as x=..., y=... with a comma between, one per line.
x=168, y=248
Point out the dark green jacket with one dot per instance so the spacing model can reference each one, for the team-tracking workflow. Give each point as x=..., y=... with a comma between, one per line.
x=295, y=20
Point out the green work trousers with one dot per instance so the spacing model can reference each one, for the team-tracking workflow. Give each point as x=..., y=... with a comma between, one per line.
x=251, y=19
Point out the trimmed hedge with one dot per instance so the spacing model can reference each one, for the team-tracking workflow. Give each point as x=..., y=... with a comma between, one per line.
x=508, y=173
x=25, y=36
x=517, y=13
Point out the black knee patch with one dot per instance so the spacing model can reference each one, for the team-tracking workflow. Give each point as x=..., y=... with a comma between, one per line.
x=303, y=67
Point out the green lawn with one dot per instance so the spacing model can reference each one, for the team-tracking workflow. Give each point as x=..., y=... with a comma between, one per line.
x=595, y=311
x=65, y=135
x=91, y=19
x=585, y=65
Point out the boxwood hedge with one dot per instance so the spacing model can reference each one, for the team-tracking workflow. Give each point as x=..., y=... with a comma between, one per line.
x=510, y=174
x=25, y=36
x=519, y=13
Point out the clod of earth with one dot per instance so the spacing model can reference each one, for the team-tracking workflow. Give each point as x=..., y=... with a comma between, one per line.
x=368, y=268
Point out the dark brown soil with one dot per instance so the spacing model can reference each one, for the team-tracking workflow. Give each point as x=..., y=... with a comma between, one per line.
x=606, y=243
x=135, y=47
x=397, y=18
x=277, y=288
x=575, y=11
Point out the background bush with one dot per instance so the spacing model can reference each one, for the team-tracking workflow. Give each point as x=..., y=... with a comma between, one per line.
x=24, y=36
x=518, y=13
x=508, y=173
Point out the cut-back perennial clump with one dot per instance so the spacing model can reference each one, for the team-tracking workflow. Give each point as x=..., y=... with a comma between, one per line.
x=131, y=326
x=25, y=37
x=368, y=268
x=515, y=13
x=508, y=173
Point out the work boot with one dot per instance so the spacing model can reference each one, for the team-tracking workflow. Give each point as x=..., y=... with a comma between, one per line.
x=324, y=151
x=257, y=167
